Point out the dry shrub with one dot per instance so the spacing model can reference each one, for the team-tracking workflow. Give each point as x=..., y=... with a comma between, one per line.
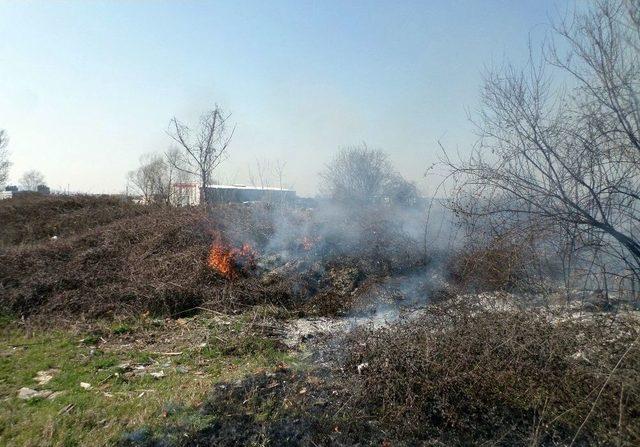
x=466, y=376
x=252, y=223
x=32, y=217
x=496, y=265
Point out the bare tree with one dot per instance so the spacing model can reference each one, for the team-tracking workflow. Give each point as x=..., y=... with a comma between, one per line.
x=279, y=170
x=565, y=155
x=4, y=157
x=360, y=175
x=356, y=174
x=260, y=177
x=154, y=179
x=176, y=176
x=204, y=148
x=267, y=173
x=30, y=180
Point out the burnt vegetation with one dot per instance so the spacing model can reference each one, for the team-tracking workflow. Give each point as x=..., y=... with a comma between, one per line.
x=459, y=375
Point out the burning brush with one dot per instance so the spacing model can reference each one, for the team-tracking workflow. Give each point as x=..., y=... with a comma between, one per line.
x=307, y=243
x=230, y=261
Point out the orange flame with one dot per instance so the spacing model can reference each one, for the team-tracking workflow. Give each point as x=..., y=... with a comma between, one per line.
x=308, y=242
x=230, y=261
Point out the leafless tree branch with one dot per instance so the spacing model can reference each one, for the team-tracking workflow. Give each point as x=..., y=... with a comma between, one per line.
x=204, y=148
x=566, y=155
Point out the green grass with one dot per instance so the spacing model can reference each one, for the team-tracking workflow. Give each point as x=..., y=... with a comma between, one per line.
x=115, y=404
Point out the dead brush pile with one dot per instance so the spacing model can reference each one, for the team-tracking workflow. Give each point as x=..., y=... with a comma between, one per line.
x=330, y=253
x=466, y=376
x=165, y=260
x=150, y=262
x=372, y=239
x=33, y=217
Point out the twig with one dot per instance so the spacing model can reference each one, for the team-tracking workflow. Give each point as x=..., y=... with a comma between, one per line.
x=604, y=385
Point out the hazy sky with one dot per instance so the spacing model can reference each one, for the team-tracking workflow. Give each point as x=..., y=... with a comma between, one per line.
x=86, y=87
